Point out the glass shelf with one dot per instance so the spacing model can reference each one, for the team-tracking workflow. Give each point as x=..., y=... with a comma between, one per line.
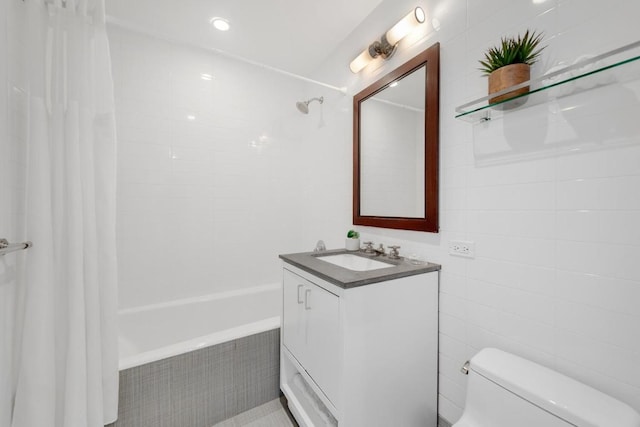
x=617, y=66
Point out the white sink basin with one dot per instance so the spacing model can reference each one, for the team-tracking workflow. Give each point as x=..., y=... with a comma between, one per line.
x=355, y=262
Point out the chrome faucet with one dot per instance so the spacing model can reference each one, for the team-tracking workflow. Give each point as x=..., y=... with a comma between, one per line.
x=380, y=250
x=368, y=247
x=394, y=253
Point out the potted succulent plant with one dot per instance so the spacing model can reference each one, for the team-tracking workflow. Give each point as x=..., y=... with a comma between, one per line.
x=352, y=242
x=509, y=63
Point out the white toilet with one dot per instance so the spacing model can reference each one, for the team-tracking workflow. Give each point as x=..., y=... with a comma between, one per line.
x=507, y=391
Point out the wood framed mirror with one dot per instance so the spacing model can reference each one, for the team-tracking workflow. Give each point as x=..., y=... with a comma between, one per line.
x=396, y=147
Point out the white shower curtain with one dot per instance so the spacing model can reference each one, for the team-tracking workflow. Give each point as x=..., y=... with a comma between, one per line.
x=65, y=361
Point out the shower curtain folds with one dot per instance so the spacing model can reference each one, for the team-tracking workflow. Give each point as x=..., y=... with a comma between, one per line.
x=66, y=356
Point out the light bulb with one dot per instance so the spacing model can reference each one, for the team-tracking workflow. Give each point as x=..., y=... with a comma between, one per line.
x=405, y=25
x=220, y=24
x=361, y=61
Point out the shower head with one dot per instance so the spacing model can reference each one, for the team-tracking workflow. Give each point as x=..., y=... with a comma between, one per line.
x=303, y=106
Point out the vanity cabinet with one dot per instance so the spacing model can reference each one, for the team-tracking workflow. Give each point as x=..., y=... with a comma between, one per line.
x=360, y=356
x=311, y=328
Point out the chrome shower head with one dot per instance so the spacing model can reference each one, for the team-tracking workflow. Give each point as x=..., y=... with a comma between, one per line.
x=303, y=106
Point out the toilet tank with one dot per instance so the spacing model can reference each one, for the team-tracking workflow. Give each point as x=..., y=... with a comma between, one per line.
x=505, y=390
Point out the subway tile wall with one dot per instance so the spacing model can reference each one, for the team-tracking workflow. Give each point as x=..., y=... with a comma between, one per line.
x=218, y=172
x=555, y=276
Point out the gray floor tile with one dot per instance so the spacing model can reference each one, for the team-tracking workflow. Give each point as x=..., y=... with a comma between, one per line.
x=228, y=423
x=277, y=419
x=271, y=414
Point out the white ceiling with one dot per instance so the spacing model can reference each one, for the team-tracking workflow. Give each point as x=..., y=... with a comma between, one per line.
x=292, y=35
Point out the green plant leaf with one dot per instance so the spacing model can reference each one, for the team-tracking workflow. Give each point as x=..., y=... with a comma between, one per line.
x=523, y=49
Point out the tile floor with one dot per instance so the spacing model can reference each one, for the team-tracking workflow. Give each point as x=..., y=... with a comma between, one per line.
x=271, y=414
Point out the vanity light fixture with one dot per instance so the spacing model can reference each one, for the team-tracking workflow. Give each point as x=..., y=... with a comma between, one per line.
x=386, y=47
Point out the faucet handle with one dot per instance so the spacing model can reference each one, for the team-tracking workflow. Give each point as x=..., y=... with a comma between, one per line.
x=368, y=247
x=394, y=253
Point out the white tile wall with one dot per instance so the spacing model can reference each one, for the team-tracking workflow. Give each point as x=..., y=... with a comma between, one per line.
x=217, y=177
x=555, y=277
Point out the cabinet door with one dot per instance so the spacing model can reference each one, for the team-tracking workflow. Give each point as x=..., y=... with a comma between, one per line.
x=322, y=358
x=293, y=324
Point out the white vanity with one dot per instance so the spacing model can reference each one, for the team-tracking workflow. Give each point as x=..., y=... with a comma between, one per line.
x=359, y=348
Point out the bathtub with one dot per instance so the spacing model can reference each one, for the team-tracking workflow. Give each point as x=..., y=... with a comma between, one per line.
x=199, y=361
x=160, y=331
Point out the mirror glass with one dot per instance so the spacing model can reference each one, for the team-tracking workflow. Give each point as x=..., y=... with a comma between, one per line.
x=392, y=153
x=396, y=148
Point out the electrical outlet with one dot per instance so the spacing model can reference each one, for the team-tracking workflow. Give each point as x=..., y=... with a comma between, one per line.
x=462, y=248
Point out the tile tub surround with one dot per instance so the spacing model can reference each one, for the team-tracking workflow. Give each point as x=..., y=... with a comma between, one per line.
x=218, y=168
x=203, y=387
x=345, y=278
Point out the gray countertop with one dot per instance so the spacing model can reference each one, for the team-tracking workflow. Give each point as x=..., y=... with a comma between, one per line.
x=345, y=278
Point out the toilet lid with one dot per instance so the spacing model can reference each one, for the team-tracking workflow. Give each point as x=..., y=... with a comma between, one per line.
x=573, y=401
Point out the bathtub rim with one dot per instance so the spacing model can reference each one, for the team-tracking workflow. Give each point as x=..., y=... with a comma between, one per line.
x=219, y=337
x=201, y=298
x=183, y=347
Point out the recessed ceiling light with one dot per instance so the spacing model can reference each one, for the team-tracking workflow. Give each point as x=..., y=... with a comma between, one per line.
x=205, y=76
x=394, y=84
x=191, y=117
x=220, y=23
